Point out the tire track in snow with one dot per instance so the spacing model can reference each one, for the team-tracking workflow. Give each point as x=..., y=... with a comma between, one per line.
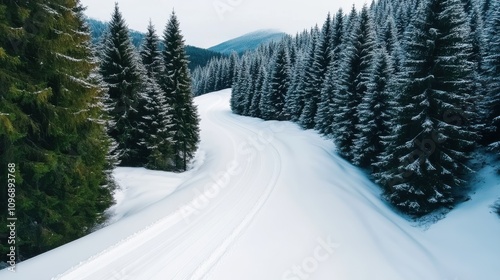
x=205, y=268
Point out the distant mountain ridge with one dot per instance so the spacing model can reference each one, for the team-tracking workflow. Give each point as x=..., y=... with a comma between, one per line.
x=249, y=41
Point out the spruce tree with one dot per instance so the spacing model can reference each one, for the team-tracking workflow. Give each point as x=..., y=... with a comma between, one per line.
x=294, y=100
x=432, y=137
x=389, y=38
x=310, y=83
x=50, y=124
x=155, y=124
x=273, y=101
x=254, y=110
x=375, y=118
x=492, y=71
x=239, y=89
x=324, y=117
x=176, y=83
x=251, y=85
x=121, y=72
x=353, y=79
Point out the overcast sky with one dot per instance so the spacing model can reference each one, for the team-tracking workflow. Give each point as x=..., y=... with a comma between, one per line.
x=205, y=23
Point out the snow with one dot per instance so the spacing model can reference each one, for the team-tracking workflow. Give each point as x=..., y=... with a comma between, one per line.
x=267, y=200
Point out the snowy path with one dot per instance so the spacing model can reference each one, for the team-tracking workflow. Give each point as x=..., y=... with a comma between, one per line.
x=269, y=201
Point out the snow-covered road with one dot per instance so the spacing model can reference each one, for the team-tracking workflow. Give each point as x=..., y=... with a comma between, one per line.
x=268, y=201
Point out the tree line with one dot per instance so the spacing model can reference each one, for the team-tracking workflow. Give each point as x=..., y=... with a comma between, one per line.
x=71, y=111
x=407, y=90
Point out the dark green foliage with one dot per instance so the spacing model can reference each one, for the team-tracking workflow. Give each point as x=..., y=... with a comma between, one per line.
x=433, y=136
x=353, y=79
x=374, y=112
x=492, y=77
x=310, y=87
x=240, y=87
x=315, y=77
x=176, y=83
x=155, y=128
x=49, y=124
x=324, y=117
x=120, y=69
x=272, y=102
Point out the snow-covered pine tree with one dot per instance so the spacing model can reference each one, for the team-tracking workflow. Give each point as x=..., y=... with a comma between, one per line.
x=374, y=111
x=239, y=87
x=273, y=100
x=351, y=20
x=389, y=37
x=294, y=100
x=322, y=60
x=427, y=166
x=120, y=70
x=310, y=93
x=176, y=83
x=210, y=77
x=156, y=122
x=354, y=75
x=324, y=117
x=254, y=110
x=251, y=86
x=492, y=72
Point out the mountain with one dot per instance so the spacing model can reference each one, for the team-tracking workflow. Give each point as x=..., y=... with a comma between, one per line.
x=249, y=41
x=197, y=56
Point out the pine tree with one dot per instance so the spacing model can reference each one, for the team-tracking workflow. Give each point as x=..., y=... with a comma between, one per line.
x=176, y=83
x=50, y=124
x=251, y=85
x=353, y=79
x=294, y=100
x=239, y=89
x=389, y=38
x=374, y=113
x=273, y=101
x=261, y=88
x=432, y=132
x=121, y=72
x=324, y=117
x=310, y=92
x=155, y=124
x=492, y=71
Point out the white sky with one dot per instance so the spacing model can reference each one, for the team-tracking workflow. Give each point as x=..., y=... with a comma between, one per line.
x=205, y=23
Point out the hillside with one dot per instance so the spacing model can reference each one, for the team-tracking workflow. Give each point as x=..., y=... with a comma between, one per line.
x=248, y=41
